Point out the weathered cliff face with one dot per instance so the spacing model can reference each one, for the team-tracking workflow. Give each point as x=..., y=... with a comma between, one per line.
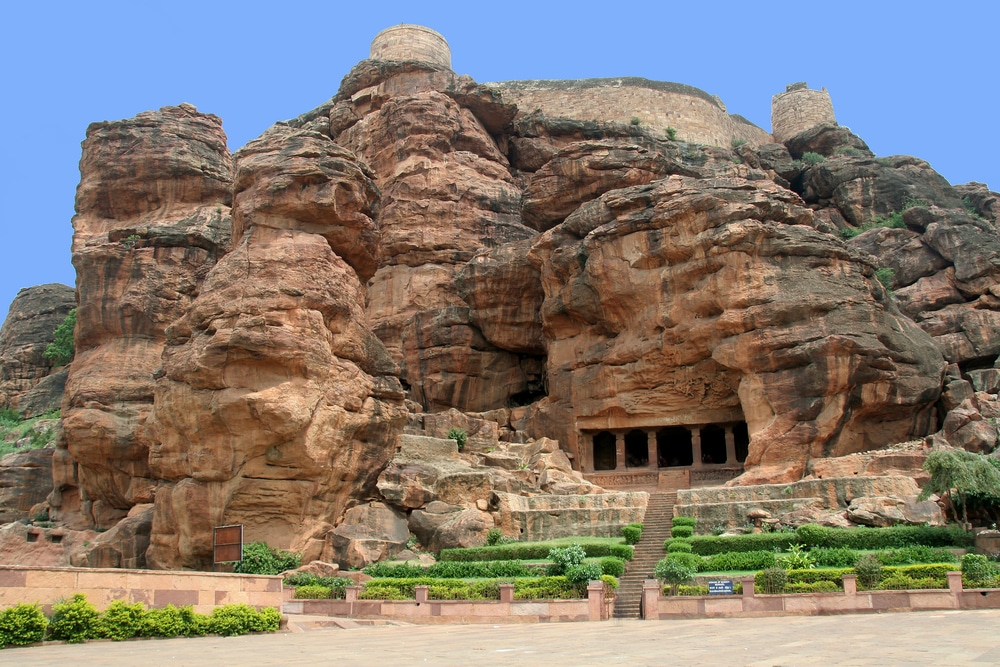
x=415, y=245
x=276, y=404
x=152, y=219
x=26, y=333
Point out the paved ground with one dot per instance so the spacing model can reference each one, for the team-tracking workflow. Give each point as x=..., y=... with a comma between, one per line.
x=919, y=638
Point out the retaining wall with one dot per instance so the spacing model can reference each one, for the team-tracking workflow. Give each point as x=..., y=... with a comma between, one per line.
x=597, y=607
x=154, y=588
x=657, y=607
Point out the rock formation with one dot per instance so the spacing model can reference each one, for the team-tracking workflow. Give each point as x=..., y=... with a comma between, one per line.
x=26, y=333
x=282, y=339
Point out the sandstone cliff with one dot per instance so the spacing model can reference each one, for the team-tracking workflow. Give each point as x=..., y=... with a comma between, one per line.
x=418, y=253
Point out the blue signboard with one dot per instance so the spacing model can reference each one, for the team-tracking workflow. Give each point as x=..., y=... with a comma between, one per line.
x=722, y=587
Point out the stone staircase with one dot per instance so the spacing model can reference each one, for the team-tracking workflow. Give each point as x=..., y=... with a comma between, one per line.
x=655, y=530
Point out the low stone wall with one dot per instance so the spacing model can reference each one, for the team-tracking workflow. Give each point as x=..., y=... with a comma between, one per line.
x=851, y=601
x=154, y=588
x=545, y=517
x=597, y=607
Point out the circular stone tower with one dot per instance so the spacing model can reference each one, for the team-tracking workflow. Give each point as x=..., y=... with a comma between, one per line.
x=411, y=42
x=798, y=109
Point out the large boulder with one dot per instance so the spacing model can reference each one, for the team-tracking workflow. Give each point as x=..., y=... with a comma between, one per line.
x=369, y=533
x=25, y=481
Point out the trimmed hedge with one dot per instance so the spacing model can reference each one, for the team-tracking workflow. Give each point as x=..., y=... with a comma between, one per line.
x=746, y=560
x=632, y=533
x=532, y=551
x=678, y=545
x=682, y=531
x=812, y=535
x=451, y=570
x=530, y=588
x=312, y=592
x=684, y=521
x=935, y=572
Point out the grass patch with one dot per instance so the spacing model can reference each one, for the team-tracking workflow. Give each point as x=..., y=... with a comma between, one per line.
x=14, y=430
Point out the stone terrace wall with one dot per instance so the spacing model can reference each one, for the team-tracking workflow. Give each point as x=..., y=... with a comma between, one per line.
x=697, y=116
x=203, y=590
x=798, y=109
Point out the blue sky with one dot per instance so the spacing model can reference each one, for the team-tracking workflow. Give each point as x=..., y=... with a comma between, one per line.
x=916, y=78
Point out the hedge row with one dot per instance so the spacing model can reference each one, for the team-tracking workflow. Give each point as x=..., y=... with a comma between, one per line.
x=532, y=551
x=336, y=585
x=812, y=535
x=477, y=569
x=531, y=588
x=934, y=573
x=76, y=620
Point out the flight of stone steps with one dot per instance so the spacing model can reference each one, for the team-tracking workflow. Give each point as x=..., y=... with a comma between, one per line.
x=655, y=530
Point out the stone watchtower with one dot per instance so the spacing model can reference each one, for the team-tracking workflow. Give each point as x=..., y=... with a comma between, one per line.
x=798, y=109
x=411, y=42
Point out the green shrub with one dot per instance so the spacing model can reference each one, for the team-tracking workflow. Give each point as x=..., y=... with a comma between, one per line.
x=834, y=576
x=564, y=558
x=165, y=622
x=195, y=624
x=885, y=275
x=544, y=588
x=74, y=620
x=736, y=143
x=623, y=551
x=684, y=521
x=977, y=570
x=232, y=620
x=532, y=551
x=610, y=582
x=836, y=557
x=901, y=582
x=268, y=620
x=613, y=566
x=259, y=558
x=689, y=590
x=708, y=545
x=121, y=620
x=478, y=569
x=849, y=150
x=459, y=436
x=797, y=558
x=494, y=536
x=916, y=554
x=812, y=587
x=681, y=531
x=737, y=561
x=673, y=572
x=869, y=570
x=678, y=545
x=812, y=158
x=691, y=561
x=632, y=533
x=312, y=592
x=60, y=350
x=671, y=133
x=394, y=570
x=22, y=624
x=771, y=580
x=635, y=120
x=580, y=575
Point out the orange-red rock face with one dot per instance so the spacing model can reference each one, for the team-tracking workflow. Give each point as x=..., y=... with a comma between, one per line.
x=152, y=219
x=276, y=404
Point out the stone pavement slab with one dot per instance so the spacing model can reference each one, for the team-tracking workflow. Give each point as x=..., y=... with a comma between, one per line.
x=918, y=638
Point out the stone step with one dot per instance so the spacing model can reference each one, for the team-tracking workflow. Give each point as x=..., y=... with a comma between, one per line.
x=656, y=529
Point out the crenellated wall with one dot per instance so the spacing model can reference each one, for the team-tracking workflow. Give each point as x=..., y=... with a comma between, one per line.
x=696, y=116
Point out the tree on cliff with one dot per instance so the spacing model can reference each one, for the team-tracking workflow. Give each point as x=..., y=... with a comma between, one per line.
x=60, y=350
x=965, y=478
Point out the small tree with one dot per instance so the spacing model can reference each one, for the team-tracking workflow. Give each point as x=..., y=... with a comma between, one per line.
x=673, y=572
x=962, y=477
x=60, y=350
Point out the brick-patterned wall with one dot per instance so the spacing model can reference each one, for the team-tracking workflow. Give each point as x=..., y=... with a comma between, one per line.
x=798, y=110
x=203, y=590
x=411, y=42
x=695, y=115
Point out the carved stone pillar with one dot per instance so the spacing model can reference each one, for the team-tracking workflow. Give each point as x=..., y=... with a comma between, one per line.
x=651, y=447
x=587, y=451
x=619, y=451
x=696, y=447
x=730, y=445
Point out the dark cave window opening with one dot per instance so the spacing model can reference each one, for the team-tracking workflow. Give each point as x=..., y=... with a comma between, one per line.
x=636, y=449
x=605, y=457
x=713, y=444
x=673, y=447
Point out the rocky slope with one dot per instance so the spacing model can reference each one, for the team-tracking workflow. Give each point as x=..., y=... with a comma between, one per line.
x=257, y=333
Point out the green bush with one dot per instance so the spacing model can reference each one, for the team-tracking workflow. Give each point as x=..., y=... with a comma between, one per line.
x=337, y=585
x=737, y=561
x=459, y=436
x=313, y=592
x=195, y=624
x=678, y=545
x=681, y=531
x=901, y=582
x=564, y=558
x=836, y=557
x=684, y=521
x=613, y=566
x=121, y=620
x=494, y=536
x=232, y=620
x=74, y=620
x=977, y=570
x=22, y=624
x=869, y=570
x=689, y=590
x=709, y=545
x=480, y=570
x=834, y=576
x=812, y=587
x=771, y=580
x=691, y=561
x=610, y=582
x=268, y=620
x=532, y=551
x=916, y=554
x=812, y=158
x=259, y=558
x=673, y=572
x=797, y=558
x=632, y=533
x=165, y=622
x=60, y=350
x=582, y=574
x=544, y=588
x=671, y=133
